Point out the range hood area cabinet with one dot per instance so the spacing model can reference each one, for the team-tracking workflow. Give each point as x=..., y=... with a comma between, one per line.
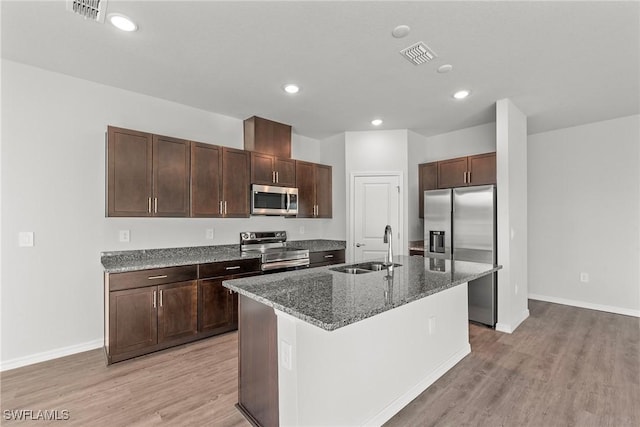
x=314, y=190
x=451, y=173
x=268, y=137
x=219, y=182
x=147, y=175
x=267, y=169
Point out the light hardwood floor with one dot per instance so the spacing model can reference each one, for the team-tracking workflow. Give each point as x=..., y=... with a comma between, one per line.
x=563, y=366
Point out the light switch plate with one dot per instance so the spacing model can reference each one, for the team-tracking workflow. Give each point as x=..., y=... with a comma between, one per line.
x=26, y=239
x=285, y=355
x=209, y=234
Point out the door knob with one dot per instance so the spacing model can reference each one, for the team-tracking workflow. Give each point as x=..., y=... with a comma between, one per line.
x=359, y=244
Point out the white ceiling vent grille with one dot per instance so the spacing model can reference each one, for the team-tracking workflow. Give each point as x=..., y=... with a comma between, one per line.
x=89, y=9
x=418, y=53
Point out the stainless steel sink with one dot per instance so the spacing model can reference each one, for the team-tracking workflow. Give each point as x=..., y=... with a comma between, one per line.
x=350, y=270
x=363, y=267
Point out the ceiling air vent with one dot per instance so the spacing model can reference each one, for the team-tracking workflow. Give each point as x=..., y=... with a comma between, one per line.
x=88, y=9
x=418, y=53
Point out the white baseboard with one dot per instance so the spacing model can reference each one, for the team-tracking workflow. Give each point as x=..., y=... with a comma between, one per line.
x=508, y=327
x=387, y=413
x=591, y=306
x=19, y=362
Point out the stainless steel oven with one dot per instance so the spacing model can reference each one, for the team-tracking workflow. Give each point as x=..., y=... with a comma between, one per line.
x=274, y=253
x=272, y=200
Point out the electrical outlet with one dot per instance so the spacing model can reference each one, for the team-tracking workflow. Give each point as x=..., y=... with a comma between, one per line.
x=124, y=236
x=584, y=277
x=209, y=234
x=432, y=325
x=25, y=239
x=302, y=229
x=285, y=355
x=516, y=289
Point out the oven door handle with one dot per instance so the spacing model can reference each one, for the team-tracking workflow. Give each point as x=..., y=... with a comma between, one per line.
x=288, y=201
x=284, y=264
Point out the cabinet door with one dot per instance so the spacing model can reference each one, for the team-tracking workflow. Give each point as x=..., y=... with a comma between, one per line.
x=235, y=182
x=177, y=310
x=305, y=180
x=272, y=137
x=482, y=169
x=452, y=173
x=262, y=169
x=215, y=306
x=129, y=163
x=427, y=180
x=286, y=172
x=132, y=319
x=171, y=163
x=206, y=173
x=324, y=205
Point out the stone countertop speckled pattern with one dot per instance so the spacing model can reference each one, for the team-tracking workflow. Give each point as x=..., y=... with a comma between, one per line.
x=331, y=300
x=122, y=261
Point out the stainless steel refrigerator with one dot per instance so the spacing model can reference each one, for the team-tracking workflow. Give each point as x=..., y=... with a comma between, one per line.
x=460, y=224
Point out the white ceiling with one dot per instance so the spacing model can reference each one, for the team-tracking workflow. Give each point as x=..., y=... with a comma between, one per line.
x=563, y=63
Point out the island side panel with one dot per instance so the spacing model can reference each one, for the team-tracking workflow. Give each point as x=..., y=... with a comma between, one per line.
x=364, y=373
x=257, y=362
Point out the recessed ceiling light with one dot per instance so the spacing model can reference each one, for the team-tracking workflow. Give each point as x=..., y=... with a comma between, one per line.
x=376, y=122
x=291, y=88
x=445, y=68
x=401, y=31
x=122, y=22
x=461, y=94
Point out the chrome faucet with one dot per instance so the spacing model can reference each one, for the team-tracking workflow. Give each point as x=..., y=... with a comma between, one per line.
x=388, y=238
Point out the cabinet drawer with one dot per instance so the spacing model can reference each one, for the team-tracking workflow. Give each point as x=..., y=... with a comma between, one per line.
x=156, y=276
x=334, y=257
x=228, y=268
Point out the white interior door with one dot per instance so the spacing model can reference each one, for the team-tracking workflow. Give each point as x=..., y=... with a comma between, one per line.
x=376, y=204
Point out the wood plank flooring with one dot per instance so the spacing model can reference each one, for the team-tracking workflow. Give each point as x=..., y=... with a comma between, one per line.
x=563, y=366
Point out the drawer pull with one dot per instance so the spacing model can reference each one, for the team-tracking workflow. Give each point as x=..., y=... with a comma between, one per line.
x=328, y=256
x=162, y=276
x=235, y=267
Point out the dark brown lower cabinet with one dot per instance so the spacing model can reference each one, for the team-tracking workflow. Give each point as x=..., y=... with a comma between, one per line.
x=216, y=307
x=133, y=320
x=177, y=311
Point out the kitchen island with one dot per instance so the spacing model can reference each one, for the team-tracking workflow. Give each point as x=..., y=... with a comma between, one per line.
x=324, y=347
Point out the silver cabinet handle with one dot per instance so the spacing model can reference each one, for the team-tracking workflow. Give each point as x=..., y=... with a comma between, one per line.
x=220, y=207
x=162, y=276
x=359, y=244
x=225, y=207
x=469, y=177
x=160, y=297
x=155, y=205
x=273, y=176
x=230, y=292
x=464, y=178
x=235, y=267
x=277, y=177
x=155, y=295
x=328, y=256
x=149, y=204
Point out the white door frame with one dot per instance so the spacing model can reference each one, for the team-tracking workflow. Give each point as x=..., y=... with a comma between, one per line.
x=351, y=220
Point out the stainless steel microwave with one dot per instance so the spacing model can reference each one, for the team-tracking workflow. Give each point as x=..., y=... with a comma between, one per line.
x=271, y=200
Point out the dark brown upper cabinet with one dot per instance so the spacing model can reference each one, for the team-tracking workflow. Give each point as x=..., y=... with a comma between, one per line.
x=219, y=182
x=464, y=171
x=206, y=180
x=147, y=175
x=268, y=137
x=235, y=183
x=271, y=170
x=314, y=183
x=427, y=180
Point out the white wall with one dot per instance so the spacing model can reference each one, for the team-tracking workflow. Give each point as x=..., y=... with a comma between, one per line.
x=377, y=151
x=53, y=183
x=333, y=153
x=511, y=176
x=584, y=214
x=464, y=142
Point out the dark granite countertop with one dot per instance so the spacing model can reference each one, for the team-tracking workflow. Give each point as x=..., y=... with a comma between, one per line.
x=331, y=300
x=122, y=261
